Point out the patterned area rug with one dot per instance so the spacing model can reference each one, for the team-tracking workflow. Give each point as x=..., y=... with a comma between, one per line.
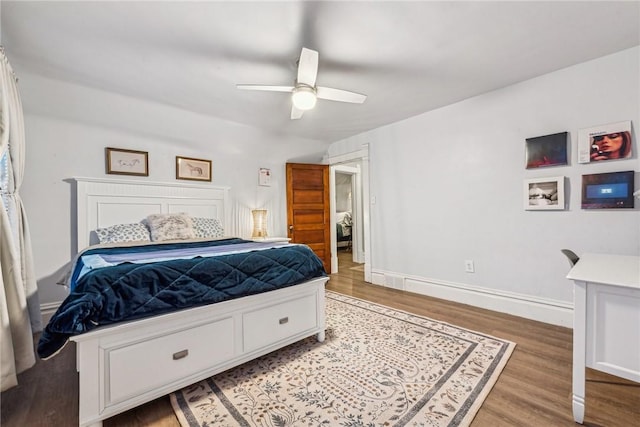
x=377, y=367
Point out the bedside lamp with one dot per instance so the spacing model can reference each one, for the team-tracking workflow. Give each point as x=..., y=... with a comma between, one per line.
x=259, y=223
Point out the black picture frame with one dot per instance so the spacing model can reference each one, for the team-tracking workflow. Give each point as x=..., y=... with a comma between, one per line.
x=611, y=190
x=547, y=150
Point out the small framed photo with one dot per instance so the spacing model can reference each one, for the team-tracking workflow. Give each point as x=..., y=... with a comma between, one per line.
x=544, y=193
x=548, y=150
x=606, y=142
x=193, y=169
x=264, y=177
x=120, y=161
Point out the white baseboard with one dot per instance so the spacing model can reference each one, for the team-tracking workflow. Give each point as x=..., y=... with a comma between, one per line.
x=540, y=309
x=48, y=310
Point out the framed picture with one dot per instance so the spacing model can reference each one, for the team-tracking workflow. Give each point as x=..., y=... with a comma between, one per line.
x=127, y=162
x=264, y=178
x=606, y=142
x=544, y=193
x=193, y=169
x=610, y=190
x=548, y=150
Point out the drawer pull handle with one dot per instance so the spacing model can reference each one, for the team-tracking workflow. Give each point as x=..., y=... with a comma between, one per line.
x=283, y=320
x=180, y=355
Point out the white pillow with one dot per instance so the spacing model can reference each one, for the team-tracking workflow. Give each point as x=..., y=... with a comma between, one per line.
x=207, y=228
x=124, y=233
x=170, y=227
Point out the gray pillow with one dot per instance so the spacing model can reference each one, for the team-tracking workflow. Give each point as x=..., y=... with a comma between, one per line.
x=207, y=228
x=124, y=233
x=170, y=227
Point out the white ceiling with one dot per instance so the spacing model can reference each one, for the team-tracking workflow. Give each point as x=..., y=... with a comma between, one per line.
x=408, y=57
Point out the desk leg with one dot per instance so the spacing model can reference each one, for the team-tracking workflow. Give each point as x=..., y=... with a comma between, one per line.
x=579, y=349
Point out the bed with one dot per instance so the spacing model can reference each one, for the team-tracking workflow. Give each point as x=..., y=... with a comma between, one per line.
x=344, y=225
x=126, y=361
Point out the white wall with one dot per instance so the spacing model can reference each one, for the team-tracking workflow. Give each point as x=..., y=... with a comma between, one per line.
x=68, y=127
x=448, y=183
x=448, y=186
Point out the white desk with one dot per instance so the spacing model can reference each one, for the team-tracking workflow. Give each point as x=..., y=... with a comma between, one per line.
x=606, y=320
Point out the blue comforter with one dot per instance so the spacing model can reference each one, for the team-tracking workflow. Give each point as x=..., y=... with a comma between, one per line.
x=136, y=289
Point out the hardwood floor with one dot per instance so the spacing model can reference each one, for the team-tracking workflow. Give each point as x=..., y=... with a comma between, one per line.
x=533, y=390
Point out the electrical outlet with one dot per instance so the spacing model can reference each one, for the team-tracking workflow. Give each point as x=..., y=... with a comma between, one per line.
x=468, y=266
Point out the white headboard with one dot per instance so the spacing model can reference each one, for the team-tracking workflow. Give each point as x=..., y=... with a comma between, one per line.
x=105, y=202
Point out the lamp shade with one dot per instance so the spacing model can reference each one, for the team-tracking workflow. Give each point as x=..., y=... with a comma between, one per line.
x=259, y=223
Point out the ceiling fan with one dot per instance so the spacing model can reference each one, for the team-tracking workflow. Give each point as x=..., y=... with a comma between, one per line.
x=305, y=92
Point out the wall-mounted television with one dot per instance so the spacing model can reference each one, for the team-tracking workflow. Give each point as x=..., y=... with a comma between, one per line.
x=607, y=190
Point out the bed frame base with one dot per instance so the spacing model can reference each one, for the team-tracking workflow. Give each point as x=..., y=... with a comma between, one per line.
x=128, y=364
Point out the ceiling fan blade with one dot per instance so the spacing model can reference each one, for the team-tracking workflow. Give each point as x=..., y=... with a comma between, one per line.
x=296, y=113
x=266, y=87
x=308, y=67
x=339, y=95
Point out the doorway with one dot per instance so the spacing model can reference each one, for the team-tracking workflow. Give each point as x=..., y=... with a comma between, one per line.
x=346, y=211
x=349, y=189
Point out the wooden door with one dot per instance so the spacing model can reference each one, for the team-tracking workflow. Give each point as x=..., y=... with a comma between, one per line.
x=308, y=208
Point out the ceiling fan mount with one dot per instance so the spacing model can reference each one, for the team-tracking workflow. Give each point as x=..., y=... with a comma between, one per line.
x=305, y=93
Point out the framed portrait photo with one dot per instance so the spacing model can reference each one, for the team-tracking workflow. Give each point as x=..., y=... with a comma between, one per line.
x=120, y=161
x=548, y=150
x=193, y=169
x=544, y=193
x=606, y=142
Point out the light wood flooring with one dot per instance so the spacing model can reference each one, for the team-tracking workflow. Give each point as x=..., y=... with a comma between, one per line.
x=533, y=390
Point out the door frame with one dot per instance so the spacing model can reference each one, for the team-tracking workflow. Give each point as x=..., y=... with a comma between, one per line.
x=362, y=157
x=356, y=210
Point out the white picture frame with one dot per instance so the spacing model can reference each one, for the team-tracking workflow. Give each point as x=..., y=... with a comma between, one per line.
x=591, y=141
x=264, y=177
x=544, y=193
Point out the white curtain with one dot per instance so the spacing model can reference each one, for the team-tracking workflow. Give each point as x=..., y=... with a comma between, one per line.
x=19, y=305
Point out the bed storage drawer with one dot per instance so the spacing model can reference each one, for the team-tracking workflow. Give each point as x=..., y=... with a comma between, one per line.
x=143, y=366
x=125, y=365
x=270, y=324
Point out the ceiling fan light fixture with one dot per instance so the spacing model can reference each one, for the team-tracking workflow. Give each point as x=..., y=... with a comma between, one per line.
x=305, y=93
x=304, y=98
